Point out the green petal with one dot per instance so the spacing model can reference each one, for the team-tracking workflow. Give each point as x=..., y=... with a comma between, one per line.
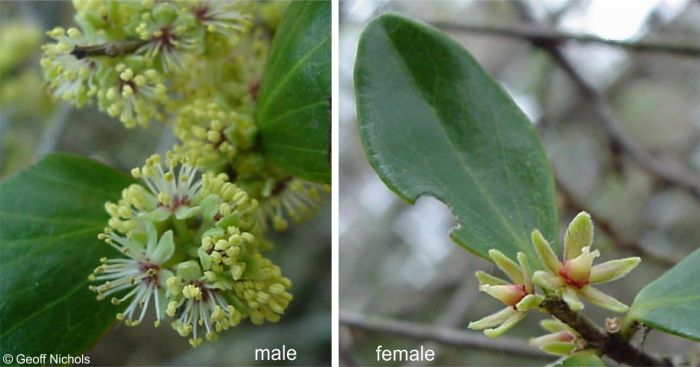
x=525, y=270
x=189, y=270
x=163, y=277
x=559, y=349
x=613, y=269
x=571, y=299
x=603, y=300
x=492, y=319
x=547, y=280
x=151, y=236
x=507, y=265
x=185, y=212
x=553, y=325
x=545, y=253
x=157, y=215
x=505, y=326
x=210, y=206
x=204, y=259
x=578, y=235
x=488, y=279
x=529, y=302
x=164, y=249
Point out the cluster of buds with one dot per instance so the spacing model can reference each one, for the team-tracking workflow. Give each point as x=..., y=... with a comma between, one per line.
x=125, y=53
x=570, y=280
x=194, y=64
x=192, y=232
x=191, y=243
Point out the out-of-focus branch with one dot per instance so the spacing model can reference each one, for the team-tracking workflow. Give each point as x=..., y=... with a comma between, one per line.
x=457, y=307
x=441, y=335
x=601, y=108
x=554, y=38
x=619, y=143
x=617, y=239
x=664, y=172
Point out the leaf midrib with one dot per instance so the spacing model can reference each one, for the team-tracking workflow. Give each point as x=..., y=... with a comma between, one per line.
x=453, y=144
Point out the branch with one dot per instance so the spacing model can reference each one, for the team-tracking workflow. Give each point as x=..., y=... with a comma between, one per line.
x=550, y=41
x=111, y=49
x=445, y=336
x=602, y=109
x=611, y=345
x=618, y=240
x=554, y=38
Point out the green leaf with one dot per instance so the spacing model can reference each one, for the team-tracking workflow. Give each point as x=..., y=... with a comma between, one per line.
x=671, y=303
x=433, y=122
x=50, y=215
x=294, y=108
x=579, y=359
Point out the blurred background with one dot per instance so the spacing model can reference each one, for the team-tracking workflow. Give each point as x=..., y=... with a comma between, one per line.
x=620, y=126
x=32, y=125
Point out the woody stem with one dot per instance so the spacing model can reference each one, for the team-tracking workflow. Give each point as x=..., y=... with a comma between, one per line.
x=110, y=49
x=611, y=345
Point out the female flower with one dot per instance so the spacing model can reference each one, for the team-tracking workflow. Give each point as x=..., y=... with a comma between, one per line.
x=518, y=296
x=561, y=340
x=575, y=276
x=142, y=272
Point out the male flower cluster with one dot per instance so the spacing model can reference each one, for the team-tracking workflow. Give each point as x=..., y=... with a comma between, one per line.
x=123, y=53
x=191, y=233
x=191, y=247
x=196, y=65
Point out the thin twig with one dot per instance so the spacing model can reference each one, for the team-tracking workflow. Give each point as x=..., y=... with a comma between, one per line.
x=611, y=345
x=445, y=336
x=111, y=49
x=456, y=308
x=665, y=172
x=554, y=38
x=618, y=240
x=544, y=40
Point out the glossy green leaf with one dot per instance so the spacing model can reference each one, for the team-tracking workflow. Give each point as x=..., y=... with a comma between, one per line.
x=579, y=359
x=50, y=215
x=433, y=122
x=671, y=303
x=294, y=108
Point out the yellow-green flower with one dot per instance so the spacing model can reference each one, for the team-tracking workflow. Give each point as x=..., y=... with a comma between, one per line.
x=575, y=276
x=133, y=96
x=142, y=272
x=70, y=78
x=519, y=295
x=200, y=300
x=290, y=198
x=561, y=340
